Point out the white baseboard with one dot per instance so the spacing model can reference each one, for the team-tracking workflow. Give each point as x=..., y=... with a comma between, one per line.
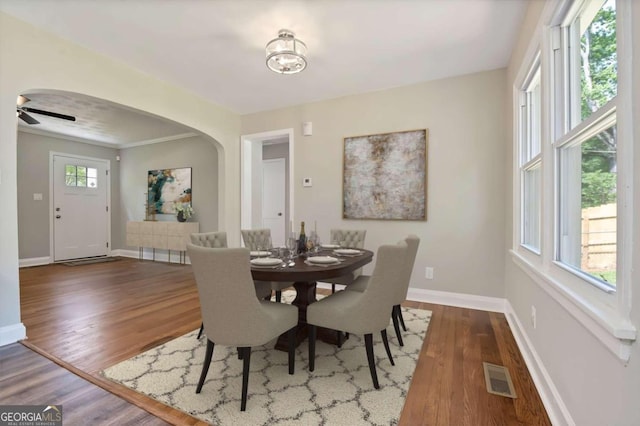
x=460, y=300
x=34, y=261
x=12, y=333
x=553, y=403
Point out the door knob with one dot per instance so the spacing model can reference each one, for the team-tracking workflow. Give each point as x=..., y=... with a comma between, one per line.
x=58, y=216
x=57, y=209
x=279, y=214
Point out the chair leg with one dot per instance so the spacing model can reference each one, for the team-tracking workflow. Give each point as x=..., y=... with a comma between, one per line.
x=312, y=347
x=333, y=288
x=246, y=359
x=239, y=353
x=396, y=326
x=291, y=338
x=368, y=342
x=383, y=333
x=205, y=367
x=399, y=308
x=278, y=296
x=200, y=332
x=340, y=338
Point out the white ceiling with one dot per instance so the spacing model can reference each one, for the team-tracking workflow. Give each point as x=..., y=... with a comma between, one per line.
x=215, y=48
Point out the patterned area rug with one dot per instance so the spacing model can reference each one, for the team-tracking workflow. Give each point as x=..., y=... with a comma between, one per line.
x=338, y=392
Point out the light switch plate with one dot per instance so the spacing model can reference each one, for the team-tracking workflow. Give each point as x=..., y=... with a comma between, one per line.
x=37, y=197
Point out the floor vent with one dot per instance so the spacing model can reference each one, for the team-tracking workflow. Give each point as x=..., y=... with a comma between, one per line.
x=498, y=380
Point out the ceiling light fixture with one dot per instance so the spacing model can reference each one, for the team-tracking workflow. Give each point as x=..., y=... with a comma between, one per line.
x=286, y=54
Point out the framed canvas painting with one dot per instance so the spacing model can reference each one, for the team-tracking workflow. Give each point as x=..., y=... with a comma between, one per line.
x=385, y=176
x=166, y=187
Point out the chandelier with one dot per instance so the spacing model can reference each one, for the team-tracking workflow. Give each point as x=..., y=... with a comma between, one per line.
x=286, y=54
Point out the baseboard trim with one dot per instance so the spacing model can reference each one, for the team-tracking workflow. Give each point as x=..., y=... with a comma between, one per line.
x=12, y=333
x=460, y=300
x=34, y=261
x=553, y=403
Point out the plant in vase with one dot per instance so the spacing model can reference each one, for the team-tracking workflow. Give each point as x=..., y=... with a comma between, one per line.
x=183, y=211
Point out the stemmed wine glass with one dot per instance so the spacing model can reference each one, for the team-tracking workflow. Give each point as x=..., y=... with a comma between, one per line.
x=292, y=245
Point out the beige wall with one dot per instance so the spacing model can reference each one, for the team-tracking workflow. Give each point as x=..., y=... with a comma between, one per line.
x=33, y=177
x=196, y=152
x=31, y=59
x=463, y=237
x=596, y=387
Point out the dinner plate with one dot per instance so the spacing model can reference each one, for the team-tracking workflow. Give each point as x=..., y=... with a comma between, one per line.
x=260, y=253
x=322, y=259
x=349, y=252
x=266, y=261
x=330, y=246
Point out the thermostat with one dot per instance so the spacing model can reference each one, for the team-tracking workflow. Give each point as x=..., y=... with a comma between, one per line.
x=307, y=182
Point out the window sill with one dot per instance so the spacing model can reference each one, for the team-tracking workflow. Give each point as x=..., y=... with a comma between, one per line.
x=609, y=326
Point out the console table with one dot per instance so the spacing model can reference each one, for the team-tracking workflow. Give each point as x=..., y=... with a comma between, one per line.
x=161, y=235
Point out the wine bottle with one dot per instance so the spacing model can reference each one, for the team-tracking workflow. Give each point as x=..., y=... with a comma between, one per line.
x=302, y=241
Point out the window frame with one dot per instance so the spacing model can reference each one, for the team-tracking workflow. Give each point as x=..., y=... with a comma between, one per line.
x=606, y=315
x=529, y=158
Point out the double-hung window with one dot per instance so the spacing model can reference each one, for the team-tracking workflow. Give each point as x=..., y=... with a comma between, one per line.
x=585, y=142
x=530, y=159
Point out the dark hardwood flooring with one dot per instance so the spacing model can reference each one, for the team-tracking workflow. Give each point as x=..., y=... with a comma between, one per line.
x=87, y=318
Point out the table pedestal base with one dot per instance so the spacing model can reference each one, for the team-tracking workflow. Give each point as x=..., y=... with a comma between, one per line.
x=305, y=295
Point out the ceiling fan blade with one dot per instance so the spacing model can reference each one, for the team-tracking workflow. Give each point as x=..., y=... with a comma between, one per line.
x=50, y=114
x=27, y=118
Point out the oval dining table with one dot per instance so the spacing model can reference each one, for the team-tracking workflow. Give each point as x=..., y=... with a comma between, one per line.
x=305, y=277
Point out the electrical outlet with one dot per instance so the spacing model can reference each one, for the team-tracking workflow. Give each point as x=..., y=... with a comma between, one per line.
x=428, y=273
x=533, y=317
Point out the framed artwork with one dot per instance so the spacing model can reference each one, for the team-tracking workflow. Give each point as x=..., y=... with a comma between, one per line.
x=167, y=187
x=385, y=176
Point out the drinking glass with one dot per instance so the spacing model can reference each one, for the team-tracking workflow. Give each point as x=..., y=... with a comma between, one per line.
x=292, y=245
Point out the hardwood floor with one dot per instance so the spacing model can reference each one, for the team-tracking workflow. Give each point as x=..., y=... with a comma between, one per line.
x=89, y=317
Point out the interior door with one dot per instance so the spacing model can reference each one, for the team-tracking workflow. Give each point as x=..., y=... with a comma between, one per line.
x=273, y=199
x=80, y=207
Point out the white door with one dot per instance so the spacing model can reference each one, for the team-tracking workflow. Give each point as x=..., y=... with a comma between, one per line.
x=80, y=208
x=273, y=199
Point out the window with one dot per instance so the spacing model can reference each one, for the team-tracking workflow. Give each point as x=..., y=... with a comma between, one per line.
x=586, y=143
x=530, y=160
x=81, y=176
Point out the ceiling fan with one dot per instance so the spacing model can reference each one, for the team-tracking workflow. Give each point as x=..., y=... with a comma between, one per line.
x=23, y=110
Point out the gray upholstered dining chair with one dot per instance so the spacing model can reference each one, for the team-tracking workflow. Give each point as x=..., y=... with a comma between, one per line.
x=209, y=239
x=364, y=312
x=400, y=291
x=231, y=315
x=257, y=239
x=219, y=240
x=352, y=238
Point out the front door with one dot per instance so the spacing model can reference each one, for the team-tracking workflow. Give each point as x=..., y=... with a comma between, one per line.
x=80, y=207
x=273, y=199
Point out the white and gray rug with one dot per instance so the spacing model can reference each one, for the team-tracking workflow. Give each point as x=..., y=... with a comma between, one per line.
x=338, y=392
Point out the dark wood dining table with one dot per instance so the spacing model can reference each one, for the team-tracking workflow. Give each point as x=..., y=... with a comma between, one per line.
x=305, y=277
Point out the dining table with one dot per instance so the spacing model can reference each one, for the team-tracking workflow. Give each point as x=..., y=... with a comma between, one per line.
x=304, y=274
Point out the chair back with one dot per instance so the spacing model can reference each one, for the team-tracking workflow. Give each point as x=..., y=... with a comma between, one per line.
x=401, y=294
x=350, y=237
x=209, y=239
x=387, y=276
x=255, y=239
x=231, y=313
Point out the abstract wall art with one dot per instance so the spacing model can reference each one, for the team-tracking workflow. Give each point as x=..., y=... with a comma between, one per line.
x=167, y=187
x=385, y=176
